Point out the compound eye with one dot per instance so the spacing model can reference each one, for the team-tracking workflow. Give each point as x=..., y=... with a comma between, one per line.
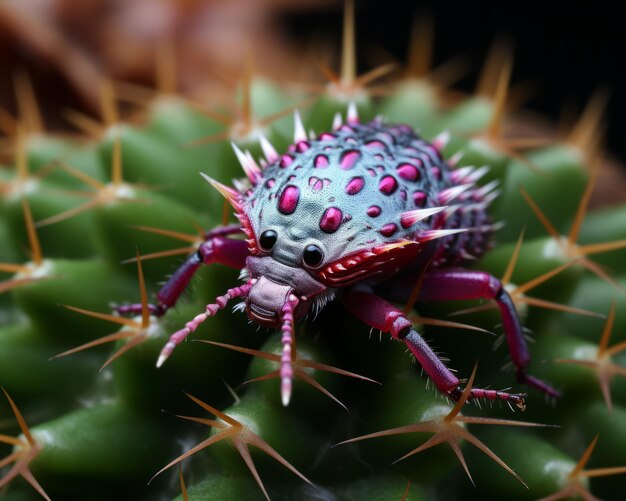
x=268, y=239
x=312, y=255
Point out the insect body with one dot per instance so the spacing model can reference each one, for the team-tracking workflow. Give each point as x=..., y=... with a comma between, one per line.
x=339, y=216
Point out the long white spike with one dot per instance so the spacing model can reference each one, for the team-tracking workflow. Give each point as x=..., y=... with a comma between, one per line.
x=428, y=235
x=477, y=174
x=411, y=217
x=449, y=194
x=299, y=133
x=455, y=159
x=337, y=121
x=459, y=175
x=441, y=140
x=484, y=190
x=250, y=167
x=353, y=114
x=268, y=149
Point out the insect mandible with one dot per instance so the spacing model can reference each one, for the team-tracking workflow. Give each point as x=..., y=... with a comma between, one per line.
x=338, y=216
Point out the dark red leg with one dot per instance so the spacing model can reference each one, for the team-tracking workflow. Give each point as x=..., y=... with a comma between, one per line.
x=216, y=249
x=380, y=314
x=448, y=285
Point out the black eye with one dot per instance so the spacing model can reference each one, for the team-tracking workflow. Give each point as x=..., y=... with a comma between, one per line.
x=268, y=239
x=312, y=255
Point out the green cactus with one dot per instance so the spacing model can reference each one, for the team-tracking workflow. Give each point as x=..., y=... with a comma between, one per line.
x=86, y=413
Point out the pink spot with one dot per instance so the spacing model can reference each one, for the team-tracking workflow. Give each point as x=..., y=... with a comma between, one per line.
x=321, y=161
x=388, y=185
x=436, y=173
x=379, y=157
x=388, y=230
x=289, y=200
x=408, y=172
x=355, y=185
x=374, y=211
x=302, y=146
x=348, y=159
x=419, y=198
x=346, y=128
x=385, y=136
x=269, y=183
x=371, y=171
x=331, y=219
x=326, y=136
x=403, y=194
x=286, y=161
x=377, y=145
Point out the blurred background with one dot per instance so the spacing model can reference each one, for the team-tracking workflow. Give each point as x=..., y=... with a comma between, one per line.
x=562, y=54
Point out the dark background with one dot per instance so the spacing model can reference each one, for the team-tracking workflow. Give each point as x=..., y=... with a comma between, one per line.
x=564, y=50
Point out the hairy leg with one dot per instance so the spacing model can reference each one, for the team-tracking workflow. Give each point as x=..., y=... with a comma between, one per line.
x=380, y=314
x=456, y=284
x=217, y=248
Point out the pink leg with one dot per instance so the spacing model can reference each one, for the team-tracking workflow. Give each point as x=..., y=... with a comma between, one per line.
x=215, y=249
x=382, y=315
x=286, y=368
x=448, y=285
x=211, y=309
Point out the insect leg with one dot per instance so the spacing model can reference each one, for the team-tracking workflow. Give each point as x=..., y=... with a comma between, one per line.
x=380, y=314
x=216, y=249
x=456, y=284
x=210, y=310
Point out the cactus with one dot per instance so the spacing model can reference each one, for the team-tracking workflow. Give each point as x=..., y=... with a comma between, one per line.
x=85, y=412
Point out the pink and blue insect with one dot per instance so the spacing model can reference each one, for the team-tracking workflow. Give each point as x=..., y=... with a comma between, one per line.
x=363, y=208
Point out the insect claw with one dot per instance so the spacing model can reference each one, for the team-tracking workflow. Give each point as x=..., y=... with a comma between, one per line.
x=285, y=391
x=165, y=354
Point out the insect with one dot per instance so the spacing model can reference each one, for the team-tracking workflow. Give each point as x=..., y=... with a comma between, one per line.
x=363, y=210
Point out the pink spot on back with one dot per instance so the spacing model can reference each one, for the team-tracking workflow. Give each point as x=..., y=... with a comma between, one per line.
x=326, y=136
x=379, y=157
x=374, y=211
x=355, y=185
x=289, y=200
x=403, y=194
x=331, y=219
x=286, y=161
x=388, y=230
x=302, y=146
x=375, y=144
x=419, y=198
x=388, y=185
x=320, y=162
x=371, y=171
x=408, y=172
x=348, y=159
x=436, y=173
